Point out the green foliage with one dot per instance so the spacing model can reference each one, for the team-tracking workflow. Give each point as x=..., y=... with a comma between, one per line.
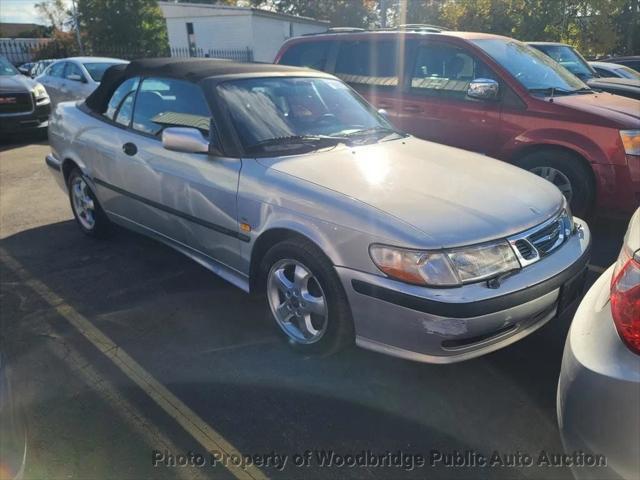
x=341, y=13
x=115, y=25
x=595, y=27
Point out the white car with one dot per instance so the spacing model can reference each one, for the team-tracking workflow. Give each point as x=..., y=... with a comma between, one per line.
x=599, y=388
x=606, y=69
x=75, y=78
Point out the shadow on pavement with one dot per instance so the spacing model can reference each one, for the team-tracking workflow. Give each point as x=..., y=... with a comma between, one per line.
x=21, y=139
x=210, y=344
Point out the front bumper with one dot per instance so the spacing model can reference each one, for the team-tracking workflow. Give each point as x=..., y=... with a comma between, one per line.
x=445, y=325
x=18, y=122
x=599, y=390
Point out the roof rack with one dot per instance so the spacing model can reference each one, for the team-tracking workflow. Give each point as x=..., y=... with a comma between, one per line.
x=345, y=29
x=421, y=27
x=414, y=27
x=336, y=30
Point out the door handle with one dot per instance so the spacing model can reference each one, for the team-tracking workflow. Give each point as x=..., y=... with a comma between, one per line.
x=412, y=109
x=130, y=149
x=384, y=105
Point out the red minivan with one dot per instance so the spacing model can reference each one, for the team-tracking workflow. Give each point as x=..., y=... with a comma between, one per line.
x=493, y=95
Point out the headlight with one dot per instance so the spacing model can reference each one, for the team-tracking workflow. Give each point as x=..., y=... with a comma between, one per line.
x=631, y=141
x=39, y=91
x=445, y=268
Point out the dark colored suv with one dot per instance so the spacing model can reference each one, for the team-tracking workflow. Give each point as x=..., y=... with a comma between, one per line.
x=493, y=95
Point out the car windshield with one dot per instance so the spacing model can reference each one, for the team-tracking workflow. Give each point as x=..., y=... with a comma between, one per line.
x=627, y=72
x=6, y=68
x=533, y=69
x=96, y=70
x=285, y=114
x=569, y=59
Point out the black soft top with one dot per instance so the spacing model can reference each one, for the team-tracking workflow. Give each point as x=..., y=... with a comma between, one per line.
x=192, y=70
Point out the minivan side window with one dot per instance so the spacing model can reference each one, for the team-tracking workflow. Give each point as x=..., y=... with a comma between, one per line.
x=363, y=62
x=307, y=54
x=446, y=71
x=125, y=87
x=165, y=102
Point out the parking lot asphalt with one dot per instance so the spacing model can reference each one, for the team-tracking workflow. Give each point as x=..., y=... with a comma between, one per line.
x=215, y=359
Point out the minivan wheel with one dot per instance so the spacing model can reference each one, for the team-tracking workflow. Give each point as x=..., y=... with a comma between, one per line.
x=567, y=172
x=306, y=300
x=87, y=211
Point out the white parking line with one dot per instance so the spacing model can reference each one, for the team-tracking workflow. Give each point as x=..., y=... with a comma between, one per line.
x=204, y=434
x=108, y=392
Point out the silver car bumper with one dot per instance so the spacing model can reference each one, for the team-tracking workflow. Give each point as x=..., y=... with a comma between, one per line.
x=446, y=325
x=599, y=390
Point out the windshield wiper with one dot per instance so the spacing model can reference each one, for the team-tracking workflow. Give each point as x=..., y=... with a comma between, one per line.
x=558, y=90
x=551, y=90
x=297, y=139
x=373, y=130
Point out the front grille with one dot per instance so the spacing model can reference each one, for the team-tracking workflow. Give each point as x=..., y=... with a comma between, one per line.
x=540, y=241
x=525, y=249
x=546, y=239
x=15, y=103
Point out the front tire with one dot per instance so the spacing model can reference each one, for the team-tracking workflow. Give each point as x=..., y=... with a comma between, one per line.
x=567, y=172
x=85, y=206
x=306, y=300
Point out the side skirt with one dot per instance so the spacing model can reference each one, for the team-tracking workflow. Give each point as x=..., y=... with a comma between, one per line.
x=227, y=273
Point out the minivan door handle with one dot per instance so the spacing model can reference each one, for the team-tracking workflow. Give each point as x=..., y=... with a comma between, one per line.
x=412, y=109
x=130, y=149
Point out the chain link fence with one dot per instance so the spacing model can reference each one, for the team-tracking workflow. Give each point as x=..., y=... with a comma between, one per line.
x=19, y=51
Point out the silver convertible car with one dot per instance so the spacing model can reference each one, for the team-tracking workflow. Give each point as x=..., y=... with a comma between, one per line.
x=286, y=183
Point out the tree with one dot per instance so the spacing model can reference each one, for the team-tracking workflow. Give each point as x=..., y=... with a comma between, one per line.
x=341, y=13
x=135, y=27
x=55, y=13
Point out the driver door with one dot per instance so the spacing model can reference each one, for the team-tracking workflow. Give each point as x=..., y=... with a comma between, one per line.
x=436, y=107
x=188, y=198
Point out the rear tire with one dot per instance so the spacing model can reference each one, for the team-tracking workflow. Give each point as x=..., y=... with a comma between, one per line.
x=306, y=300
x=568, y=172
x=85, y=206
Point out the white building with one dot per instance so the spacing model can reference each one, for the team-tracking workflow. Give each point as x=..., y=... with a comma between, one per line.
x=200, y=28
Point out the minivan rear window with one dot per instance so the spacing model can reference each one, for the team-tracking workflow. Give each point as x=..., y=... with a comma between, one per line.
x=307, y=54
x=368, y=63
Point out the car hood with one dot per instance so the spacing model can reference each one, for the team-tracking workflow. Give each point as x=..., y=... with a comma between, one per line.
x=15, y=84
x=623, y=110
x=453, y=196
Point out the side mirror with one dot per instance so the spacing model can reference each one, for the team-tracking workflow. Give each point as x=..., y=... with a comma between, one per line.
x=76, y=78
x=483, y=89
x=185, y=139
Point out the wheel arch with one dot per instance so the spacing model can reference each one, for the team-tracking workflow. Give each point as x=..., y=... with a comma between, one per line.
x=518, y=155
x=589, y=168
x=268, y=239
x=68, y=164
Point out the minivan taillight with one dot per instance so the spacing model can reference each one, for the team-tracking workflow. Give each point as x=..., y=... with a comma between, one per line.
x=625, y=299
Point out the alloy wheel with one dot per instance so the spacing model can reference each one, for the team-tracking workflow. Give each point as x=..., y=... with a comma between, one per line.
x=83, y=204
x=297, y=301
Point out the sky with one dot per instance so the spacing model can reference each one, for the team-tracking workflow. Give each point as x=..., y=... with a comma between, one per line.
x=19, y=11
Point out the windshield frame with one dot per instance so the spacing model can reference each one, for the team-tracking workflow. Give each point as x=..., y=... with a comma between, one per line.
x=222, y=110
x=555, y=67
